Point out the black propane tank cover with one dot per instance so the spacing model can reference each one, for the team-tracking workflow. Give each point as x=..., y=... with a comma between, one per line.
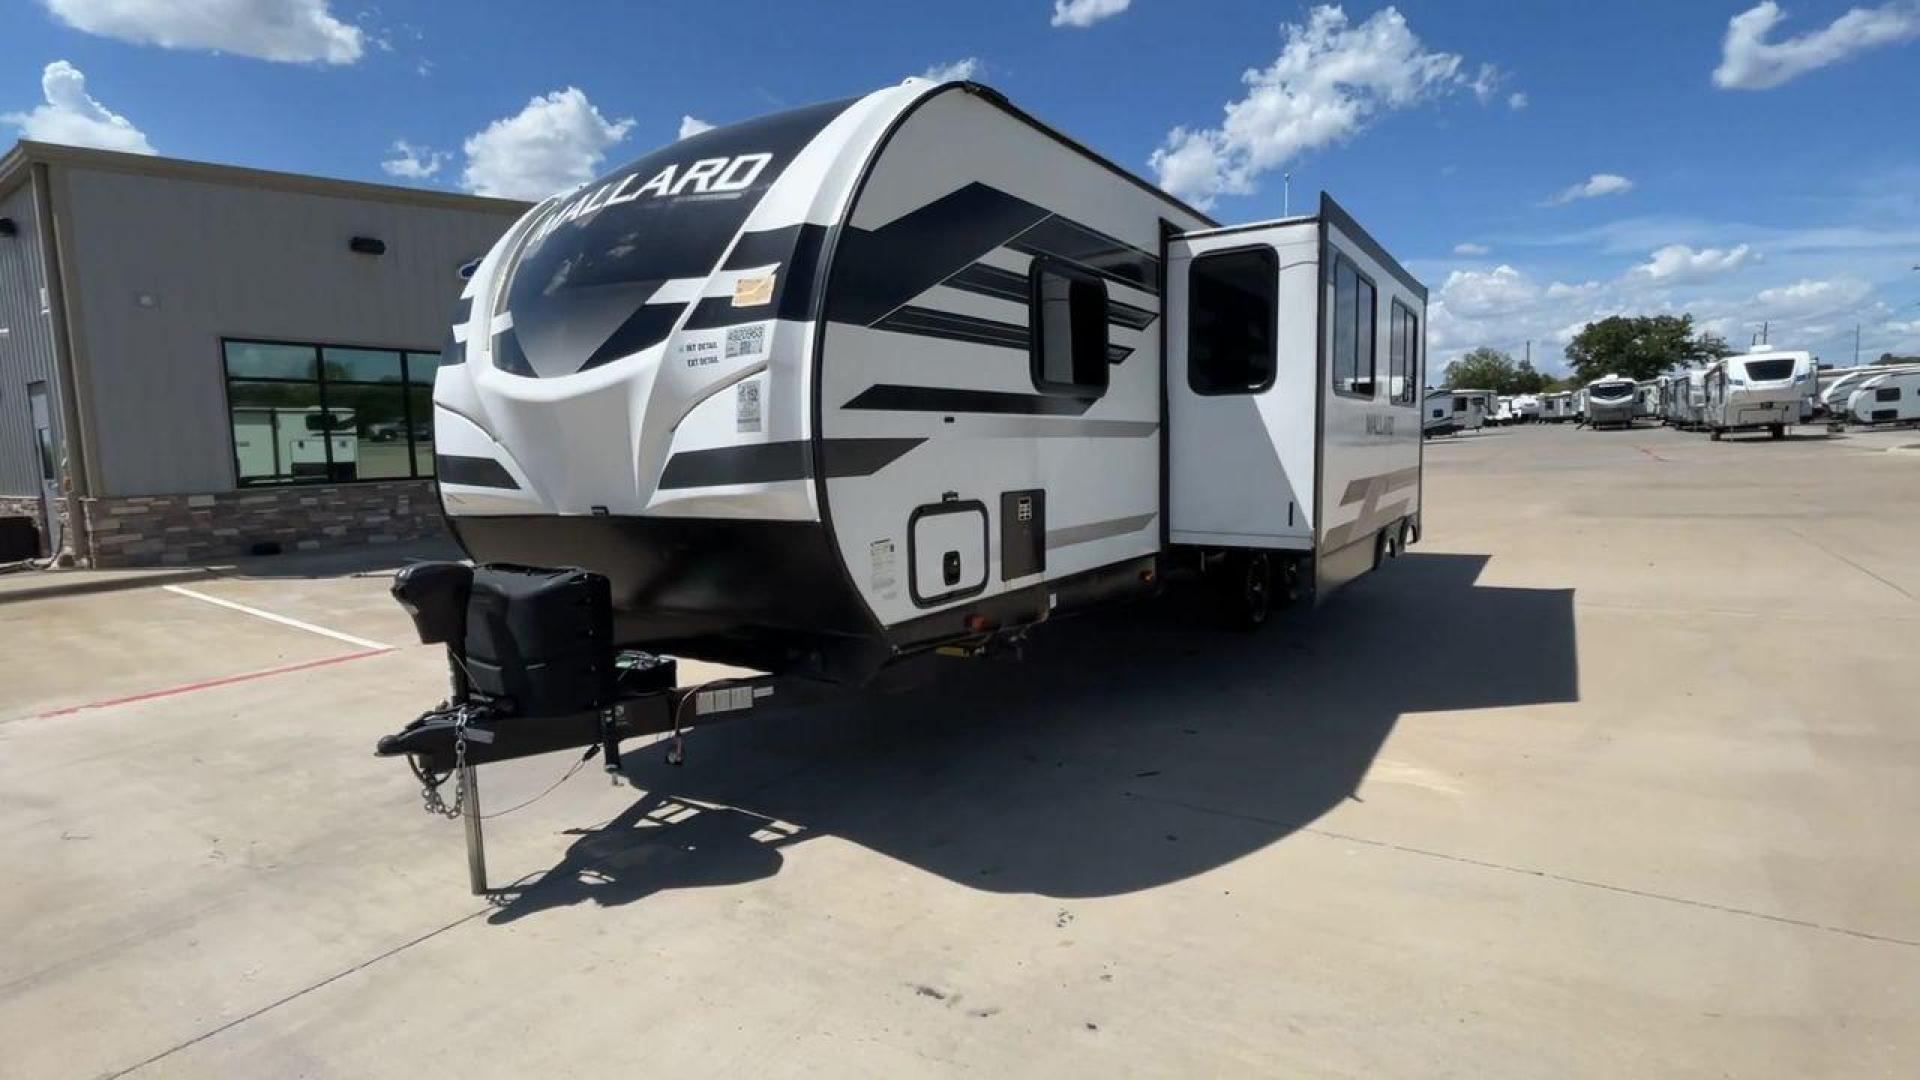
x=435, y=594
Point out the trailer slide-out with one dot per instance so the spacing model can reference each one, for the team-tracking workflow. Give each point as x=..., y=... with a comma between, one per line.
x=826, y=391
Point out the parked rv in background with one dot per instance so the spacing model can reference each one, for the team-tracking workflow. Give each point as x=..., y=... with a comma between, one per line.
x=1837, y=385
x=1611, y=402
x=1526, y=408
x=277, y=444
x=1756, y=391
x=1556, y=407
x=1646, y=399
x=1886, y=399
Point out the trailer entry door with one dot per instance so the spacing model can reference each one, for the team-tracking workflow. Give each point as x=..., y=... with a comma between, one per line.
x=1241, y=324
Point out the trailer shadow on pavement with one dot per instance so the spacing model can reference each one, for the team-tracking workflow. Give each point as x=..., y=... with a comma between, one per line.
x=1129, y=750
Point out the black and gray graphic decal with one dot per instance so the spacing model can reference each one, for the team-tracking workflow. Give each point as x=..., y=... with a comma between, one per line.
x=578, y=293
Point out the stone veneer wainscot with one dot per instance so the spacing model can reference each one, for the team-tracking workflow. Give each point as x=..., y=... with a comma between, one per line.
x=169, y=530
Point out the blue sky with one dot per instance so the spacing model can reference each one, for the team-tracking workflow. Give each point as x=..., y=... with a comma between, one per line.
x=1743, y=161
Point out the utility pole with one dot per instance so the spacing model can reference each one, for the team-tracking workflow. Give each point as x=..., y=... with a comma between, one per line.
x=1856, y=344
x=1286, y=195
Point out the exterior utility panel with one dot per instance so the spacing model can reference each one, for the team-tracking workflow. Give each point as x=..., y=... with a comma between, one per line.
x=831, y=386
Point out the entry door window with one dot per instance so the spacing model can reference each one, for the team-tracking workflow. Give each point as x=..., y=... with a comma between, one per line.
x=1232, y=305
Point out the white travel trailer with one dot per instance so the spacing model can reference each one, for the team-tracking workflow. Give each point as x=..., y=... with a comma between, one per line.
x=1837, y=386
x=842, y=386
x=1892, y=398
x=275, y=444
x=1611, y=400
x=1756, y=391
x=892, y=372
x=1556, y=407
x=1646, y=400
x=1527, y=408
x=1449, y=412
x=1503, y=412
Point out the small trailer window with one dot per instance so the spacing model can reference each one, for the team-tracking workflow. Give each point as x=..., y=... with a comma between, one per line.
x=1232, y=298
x=1354, y=310
x=1403, y=354
x=1069, y=343
x=1886, y=393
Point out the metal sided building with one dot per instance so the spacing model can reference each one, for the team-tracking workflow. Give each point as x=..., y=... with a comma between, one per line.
x=200, y=361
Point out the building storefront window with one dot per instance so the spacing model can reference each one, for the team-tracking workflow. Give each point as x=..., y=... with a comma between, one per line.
x=320, y=413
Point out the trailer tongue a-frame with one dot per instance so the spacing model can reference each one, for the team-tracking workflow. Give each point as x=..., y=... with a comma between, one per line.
x=824, y=392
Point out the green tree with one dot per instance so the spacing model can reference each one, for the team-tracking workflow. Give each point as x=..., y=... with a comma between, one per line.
x=1639, y=346
x=1889, y=358
x=1490, y=369
x=1481, y=369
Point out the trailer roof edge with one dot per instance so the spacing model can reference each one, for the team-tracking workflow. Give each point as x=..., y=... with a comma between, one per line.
x=1336, y=214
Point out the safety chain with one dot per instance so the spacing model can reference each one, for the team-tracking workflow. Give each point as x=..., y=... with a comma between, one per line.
x=430, y=787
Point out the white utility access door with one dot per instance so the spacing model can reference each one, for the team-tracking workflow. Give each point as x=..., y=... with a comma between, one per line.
x=1242, y=323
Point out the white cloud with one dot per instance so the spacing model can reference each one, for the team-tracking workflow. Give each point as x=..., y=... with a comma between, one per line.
x=1678, y=262
x=70, y=116
x=1486, y=83
x=968, y=68
x=1560, y=290
x=692, y=125
x=294, y=31
x=1084, y=13
x=1748, y=61
x=1328, y=82
x=1471, y=249
x=557, y=142
x=1516, y=101
x=1811, y=298
x=1592, y=188
x=1477, y=293
x=410, y=162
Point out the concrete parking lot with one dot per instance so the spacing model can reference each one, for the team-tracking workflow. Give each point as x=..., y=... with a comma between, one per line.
x=1615, y=775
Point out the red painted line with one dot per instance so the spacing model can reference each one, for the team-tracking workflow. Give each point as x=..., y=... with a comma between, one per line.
x=209, y=684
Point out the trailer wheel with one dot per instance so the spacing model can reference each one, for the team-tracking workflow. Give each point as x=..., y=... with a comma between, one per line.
x=1716, y=434
x=1406, y=534
x=1779, y=431
x=1246, y=590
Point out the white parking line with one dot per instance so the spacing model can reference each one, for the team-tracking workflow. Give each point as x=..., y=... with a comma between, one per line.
x=283, y=620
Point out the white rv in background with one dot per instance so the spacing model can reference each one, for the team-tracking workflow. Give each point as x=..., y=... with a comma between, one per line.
x=1892, y=398
x=1837, y=385
x=828, y=388
x=271, y=443
x=1527, y=408
x=1646, y=401
x=1556, y=407
x=1611, y=402
x=1756, y=391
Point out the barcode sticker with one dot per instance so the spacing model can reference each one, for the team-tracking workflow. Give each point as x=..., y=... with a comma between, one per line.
x=746, y=406
x=746, y=340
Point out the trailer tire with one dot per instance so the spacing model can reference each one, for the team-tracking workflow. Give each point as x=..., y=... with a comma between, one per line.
x=1779, y=431
x=1407, y=534
x=1717, y=433
x=1246, y=590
